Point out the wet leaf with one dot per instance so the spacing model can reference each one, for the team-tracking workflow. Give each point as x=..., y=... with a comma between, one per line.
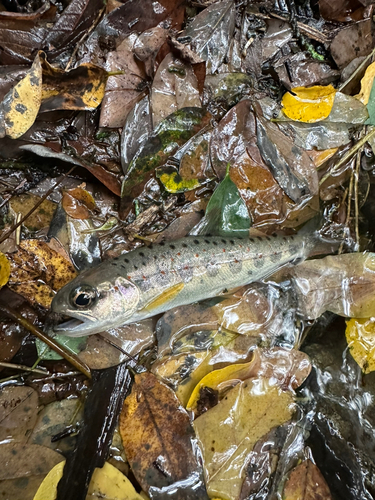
x=18, y=413
x=306, y=482
x=73, y=344
x=21, y=104
x=360, y=335
x=80, y=88
x=353, y=41
x=157, y=437
x=37, y=272
x=174, y=183
x=122, y=91
x=226, y=212
x=367, y=84
x=4, y=270
x=371, y=106
x=174, y=87
x=40, y=218
x=107, y=482
x=137, y=129
x=228, y=432
x=171, y=133
x=309, y=105
x=23, y=467
x=343, y=284
x=78, y=203
x=211, y=31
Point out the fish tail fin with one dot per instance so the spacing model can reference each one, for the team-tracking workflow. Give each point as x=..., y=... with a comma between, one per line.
x=317, y=241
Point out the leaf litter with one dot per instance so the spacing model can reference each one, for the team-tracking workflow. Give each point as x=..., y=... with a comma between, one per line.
x=184, y=119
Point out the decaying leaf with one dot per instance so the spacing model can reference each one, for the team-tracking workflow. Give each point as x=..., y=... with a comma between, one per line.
x=21, y=104
x=157, y=437
x=309, y=105
x=107, y=483
x=306, y=482
x=174, y=183
x=366, y=84
x=40, y=218
x=37, y=272
x=78, y=203
x=228, y=432
x=23, y=467
x=80, y=88
x=360, y=335
x=4, y=270
x=18, y=413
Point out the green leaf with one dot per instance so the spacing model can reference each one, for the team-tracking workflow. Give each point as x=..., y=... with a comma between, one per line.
x=226, y=213
x=73, y=344
x=371, y=106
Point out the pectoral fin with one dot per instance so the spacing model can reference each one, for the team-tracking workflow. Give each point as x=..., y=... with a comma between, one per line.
x=166, y=296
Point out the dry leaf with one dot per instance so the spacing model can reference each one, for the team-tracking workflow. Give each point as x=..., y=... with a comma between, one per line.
x=366, y=84
x=18, y=413
x=306, y=482
x=78, y=203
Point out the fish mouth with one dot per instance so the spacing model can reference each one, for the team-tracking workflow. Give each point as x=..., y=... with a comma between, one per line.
x=75, y=327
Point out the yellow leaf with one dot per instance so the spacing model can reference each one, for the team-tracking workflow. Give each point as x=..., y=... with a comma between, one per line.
x=213, y=380
x=309, y=105
x=4, y=270
x=320, y=157
x=107, y=482
x=360, y=335
x=21, y=104
x=366, y=84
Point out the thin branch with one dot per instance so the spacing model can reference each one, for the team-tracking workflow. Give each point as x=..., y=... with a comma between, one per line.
x=357, y=71
x=24, y=368
x=59, y=349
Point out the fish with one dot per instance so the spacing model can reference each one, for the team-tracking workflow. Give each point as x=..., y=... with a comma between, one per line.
x=154, y=279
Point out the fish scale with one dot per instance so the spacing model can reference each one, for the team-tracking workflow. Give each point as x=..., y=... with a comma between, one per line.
x=151, y=280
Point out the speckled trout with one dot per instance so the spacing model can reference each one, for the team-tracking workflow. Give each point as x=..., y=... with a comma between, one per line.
x=151, y=280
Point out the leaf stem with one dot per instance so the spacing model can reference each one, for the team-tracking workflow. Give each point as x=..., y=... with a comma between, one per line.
x=59, y=349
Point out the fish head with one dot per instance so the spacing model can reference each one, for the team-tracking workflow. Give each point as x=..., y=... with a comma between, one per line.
x=93, y=304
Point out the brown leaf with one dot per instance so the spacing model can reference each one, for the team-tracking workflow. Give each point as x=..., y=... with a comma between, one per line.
x=306, y=482
x=40, y=218
x=78, y=203
x=18, y=413
x=157, y=437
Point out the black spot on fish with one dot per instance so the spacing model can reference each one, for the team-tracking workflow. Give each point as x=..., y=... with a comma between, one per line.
x=135, y=267
x=252, y=240
x=155, y=257
x=207, y=241
x=224, y=241
x=250, y=272
x=141, y=254
x=162, y=243
x=172, y=247
x=127, y=261
x=232, y=242
x=196, y=242
x=215, y=243
x=150, y=246
x=268, y=238
x=113, y=264
x=274, y=235
x=184, y=245
x=292, y=238
x=259, y=238
x=144, y=264
x=123, y=267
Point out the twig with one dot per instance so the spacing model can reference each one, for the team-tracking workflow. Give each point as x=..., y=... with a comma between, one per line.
x=23, y=368
x=59, y=349
x=19, y=223
x=358, y=70
x=348, y=209
x=347, y=156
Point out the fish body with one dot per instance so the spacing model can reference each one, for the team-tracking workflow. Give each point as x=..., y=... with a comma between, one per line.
x=151, y=280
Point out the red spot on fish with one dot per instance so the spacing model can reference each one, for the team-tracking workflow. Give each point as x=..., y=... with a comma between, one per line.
x=236, y=261
x=248, y=249
x=116, y=288
x=129, y=277
x=172, y=259
x=144, y=277
x=179, y=254
x=260, y=255
x=197, y=254
x=240, y=246
x=223, y=249
x=162, y=272
x=186, y=267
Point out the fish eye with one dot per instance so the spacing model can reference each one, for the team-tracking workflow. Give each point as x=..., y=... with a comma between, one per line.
x=83, y=296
